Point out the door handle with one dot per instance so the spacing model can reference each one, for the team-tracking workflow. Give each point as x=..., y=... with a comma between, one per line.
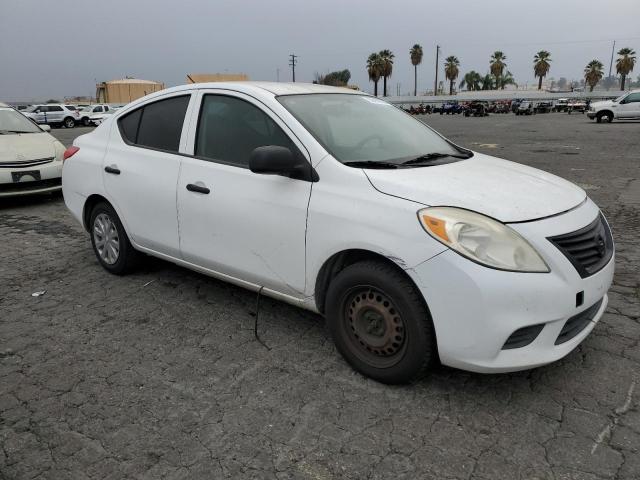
x=192, y=187
x=113, y=170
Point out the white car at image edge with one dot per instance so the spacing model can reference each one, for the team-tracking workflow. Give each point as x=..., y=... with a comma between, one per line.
x=30, y=158
x=625, y=107
x=413, y=248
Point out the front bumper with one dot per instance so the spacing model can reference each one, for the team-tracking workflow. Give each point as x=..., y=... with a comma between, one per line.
x=475, y=309
x=591, y=114
x=50, y=180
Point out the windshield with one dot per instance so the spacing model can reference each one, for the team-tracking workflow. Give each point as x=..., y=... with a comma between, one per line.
x=356, y=128
x=620, y=98
x=14, y=122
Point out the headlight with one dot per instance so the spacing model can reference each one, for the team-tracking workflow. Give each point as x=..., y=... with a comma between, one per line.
x=481, y=239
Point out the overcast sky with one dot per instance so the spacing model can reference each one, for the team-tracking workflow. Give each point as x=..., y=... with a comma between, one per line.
x=57, y=48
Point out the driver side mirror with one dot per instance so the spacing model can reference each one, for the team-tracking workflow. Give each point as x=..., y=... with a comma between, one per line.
x=276, y=160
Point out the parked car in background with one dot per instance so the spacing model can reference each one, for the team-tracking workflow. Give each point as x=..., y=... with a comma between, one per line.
x=97, y=118
x=476, y=109
x=543, y=107
x=525, y=108
x=451, y=108
x=92, y=110
x=394, y=233
x=576, y=105
x=53, y=114
x=625, y=107
x=30, y=158
x=561, y=105
x=502, y=107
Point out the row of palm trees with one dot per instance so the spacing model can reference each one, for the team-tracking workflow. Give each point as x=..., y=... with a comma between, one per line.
x=380, y=65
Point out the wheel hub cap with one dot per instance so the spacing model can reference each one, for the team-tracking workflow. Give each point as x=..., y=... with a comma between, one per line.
x=374, y=323
x=105, y=236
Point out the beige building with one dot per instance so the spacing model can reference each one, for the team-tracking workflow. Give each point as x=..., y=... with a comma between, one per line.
x=125, y=90
x=216, y=77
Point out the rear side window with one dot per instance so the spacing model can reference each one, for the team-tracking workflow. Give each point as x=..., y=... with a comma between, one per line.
x=156, y=125
x=55, y=108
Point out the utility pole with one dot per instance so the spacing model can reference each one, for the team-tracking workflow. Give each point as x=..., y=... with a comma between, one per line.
x=611, y=63
x=293, y=60
x=435, y=84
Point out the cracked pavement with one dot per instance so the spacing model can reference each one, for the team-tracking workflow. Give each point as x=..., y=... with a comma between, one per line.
x=157, y=375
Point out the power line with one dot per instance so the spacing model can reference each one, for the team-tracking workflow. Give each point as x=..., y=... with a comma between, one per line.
x=293, y=61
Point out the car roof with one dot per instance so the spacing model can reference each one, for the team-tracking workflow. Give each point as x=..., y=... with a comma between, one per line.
x=276, y=88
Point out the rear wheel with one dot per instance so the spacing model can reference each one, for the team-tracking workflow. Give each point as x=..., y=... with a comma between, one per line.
x=380, y=323
x=69, y=122
x=110, y=242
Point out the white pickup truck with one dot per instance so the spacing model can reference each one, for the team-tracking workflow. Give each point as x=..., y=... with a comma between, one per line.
x=625, y=107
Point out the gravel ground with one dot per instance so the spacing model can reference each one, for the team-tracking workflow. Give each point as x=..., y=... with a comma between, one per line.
x=157, y=374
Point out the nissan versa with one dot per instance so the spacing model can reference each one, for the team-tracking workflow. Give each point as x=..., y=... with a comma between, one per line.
x=413, y=248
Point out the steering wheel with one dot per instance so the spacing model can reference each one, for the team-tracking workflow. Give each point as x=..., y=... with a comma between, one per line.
x=365, y=140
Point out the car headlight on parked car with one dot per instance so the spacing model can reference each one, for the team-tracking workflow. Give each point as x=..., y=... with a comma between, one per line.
x=481, y=239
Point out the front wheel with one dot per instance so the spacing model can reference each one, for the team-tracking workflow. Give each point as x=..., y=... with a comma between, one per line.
x=606, y=117
x=380, y=323
x=110, y=242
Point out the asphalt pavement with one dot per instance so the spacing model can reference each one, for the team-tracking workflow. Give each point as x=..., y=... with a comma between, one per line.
x=158, y=375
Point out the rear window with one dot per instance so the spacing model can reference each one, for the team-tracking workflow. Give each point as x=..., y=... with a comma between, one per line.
x=71, y=107
x=156, y=125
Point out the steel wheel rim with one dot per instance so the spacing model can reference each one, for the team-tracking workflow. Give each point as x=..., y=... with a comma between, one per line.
x=69, y=123
x=106, y=239
x=377, y=334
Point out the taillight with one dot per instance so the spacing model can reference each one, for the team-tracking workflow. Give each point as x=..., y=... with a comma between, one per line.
x=70, y=152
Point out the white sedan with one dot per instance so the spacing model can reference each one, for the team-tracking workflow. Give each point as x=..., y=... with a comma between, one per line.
x=412, y=247
x=30, y=158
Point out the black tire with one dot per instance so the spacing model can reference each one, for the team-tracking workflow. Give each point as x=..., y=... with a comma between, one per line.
x=69, y=122
x=604, y=117
x=380, y=323
x=127, y=257
x=86, y=122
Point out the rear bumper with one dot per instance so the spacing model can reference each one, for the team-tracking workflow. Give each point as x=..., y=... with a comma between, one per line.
x=475, y=309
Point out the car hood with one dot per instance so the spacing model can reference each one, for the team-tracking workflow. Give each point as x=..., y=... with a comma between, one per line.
x=27, y=146
x=504, y=190
x=602, y=103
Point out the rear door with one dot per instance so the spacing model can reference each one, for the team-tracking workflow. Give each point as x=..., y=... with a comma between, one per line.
x=55, y=114
x=246, y=225
x=141, y=169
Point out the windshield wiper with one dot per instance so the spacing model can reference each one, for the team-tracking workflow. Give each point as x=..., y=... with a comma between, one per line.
x=370, y=164
x=13, y=131
x=430, y=157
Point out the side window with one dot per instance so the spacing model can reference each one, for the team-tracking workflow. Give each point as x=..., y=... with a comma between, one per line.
x=97, y=109
x=229, y=129
x=55, y=108
x=43, y=108
x=633, y=98
x=156, y=125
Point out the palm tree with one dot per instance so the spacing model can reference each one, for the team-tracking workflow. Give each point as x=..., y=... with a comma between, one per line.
x=625, y=64
x=497, y=65
x=472, y=80
x=487, y=82
x=387, y=68
x=506, y=79
x=451, y=70
x=416, y=59
x=374, y=69
x=593, y=73
x=541, y=65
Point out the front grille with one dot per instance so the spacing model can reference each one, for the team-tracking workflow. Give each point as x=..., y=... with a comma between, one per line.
x=588, y=249
x=523, y=336
x=27, y=186
x=577, y=323
x=26, y=163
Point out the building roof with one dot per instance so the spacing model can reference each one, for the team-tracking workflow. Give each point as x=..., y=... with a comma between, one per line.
x=216, y=77
x=133, y=80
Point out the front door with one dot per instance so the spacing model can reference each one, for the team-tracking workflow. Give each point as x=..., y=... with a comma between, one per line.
x=234, y=221
x=141, y=169
x=629, y=107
